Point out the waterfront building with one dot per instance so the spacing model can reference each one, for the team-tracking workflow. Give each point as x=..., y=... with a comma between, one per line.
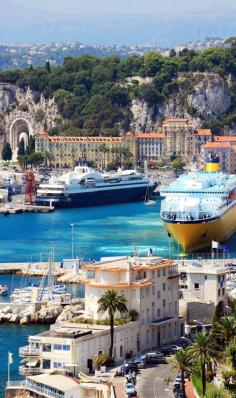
x=178, y=133
x=150, y=285
x=200, y=137
x=59, y=386
x=202, y=289
x=66, y=151
x=225, y=151
x=149, y=147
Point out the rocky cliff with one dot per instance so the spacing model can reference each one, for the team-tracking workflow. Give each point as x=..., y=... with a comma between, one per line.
x=200, y=96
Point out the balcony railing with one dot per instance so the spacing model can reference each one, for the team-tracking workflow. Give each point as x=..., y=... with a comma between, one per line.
x=28, y=351
x=45, y=391
x=16, y=384
x=29, y=370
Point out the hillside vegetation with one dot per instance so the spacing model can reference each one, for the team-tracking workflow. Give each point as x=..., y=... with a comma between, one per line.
x=94, y=95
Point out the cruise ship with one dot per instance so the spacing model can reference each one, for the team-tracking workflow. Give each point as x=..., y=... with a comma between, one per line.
x=200, y=207
x=87, y=187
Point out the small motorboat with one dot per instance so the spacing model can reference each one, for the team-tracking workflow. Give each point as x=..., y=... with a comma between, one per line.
x=150, y=202
x=3, y=290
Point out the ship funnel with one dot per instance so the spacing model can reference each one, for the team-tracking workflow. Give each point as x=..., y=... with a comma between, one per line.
x=213, y=164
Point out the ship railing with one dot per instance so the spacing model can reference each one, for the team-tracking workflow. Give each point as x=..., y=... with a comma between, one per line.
x=184, y=216
x=16, y=384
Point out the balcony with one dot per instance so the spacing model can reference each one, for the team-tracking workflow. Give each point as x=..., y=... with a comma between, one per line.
x=28, y=351
x=29, y=370
x=45, y=391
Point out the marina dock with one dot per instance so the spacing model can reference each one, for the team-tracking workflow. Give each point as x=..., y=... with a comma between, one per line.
x=22, y=208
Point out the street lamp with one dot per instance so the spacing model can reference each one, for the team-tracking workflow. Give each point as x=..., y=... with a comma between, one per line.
x=72, y=240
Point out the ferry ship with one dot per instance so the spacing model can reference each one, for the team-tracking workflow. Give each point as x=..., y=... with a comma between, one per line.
x=200, y=207
x=87, y=187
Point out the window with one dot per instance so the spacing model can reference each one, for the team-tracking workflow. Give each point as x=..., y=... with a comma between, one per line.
x=66, y=348
x=121, y=351
x=47, y=347
x=153, y=274
x=57, y=347
x=164, y=271
x=153, y=290
x=164, y=303
x=176, y=307
x=205, y=277
x=46, y=364
x=196, y=286
x=218, y=292
x=147, y=337
x=57, y=365
x=158, y=294
x=223, y=292
x=158, y=312
x=164, y=287
x=158, y=273
x=60, y=347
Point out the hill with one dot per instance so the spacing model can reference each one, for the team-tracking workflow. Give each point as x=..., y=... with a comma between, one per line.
x=110, y=95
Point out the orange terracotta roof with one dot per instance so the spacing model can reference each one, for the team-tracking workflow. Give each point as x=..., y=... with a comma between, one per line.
x=176, y=120
x=150, y=135
x=98, y=140
x=129, y=134
x=203, y=132
x=225, y=138
x=216, y=145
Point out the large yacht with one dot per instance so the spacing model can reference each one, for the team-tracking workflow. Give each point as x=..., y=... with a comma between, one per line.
x=87, y=187
x=200, y=207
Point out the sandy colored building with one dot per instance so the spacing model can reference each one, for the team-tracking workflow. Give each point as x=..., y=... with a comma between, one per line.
x=224, y=151
x=200, y=137
x=150, y=285
x=66, y=151
x=178, y=133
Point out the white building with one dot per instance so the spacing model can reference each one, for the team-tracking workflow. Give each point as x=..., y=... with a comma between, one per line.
x=149, y=284
x=202, y=289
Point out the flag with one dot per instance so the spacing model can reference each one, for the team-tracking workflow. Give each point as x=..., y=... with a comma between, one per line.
x=10, y=358
x=215, y=245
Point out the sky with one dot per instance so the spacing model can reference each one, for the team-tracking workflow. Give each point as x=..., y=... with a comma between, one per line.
x=125, y=6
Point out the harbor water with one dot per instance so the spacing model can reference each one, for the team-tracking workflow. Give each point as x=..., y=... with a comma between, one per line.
x=99, y=231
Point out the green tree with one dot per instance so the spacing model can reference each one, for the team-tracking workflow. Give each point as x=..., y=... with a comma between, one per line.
x=177, y=164
x=183, y=363
x=31, y=146
x=6, y=151
x=172, y=53
x=21, y=148
x=112, y=301
x=203, y=351
x=48, y=66
x=225, y=329
x=36, y=158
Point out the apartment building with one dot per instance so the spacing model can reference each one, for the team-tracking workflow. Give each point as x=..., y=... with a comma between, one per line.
x=149, y=147
x=224, y=151
x=66, y=151
x=200, y=137
x=202, y=289
x=150, y=285
x=178, y=134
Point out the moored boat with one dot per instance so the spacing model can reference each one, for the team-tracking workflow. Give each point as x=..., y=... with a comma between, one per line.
x=4, y=290
x=200, y=207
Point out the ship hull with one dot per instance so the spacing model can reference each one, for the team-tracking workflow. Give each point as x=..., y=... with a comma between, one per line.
x=196, y=235
x=95, y=198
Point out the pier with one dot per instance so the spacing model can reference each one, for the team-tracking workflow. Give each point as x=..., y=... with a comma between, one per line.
x=22, y=208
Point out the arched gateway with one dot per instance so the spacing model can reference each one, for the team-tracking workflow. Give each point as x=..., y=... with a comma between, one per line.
x=19, y=128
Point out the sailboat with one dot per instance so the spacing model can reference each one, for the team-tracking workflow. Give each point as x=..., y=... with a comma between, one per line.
x=148, y=201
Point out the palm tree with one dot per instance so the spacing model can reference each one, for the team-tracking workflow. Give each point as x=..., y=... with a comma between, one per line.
x=112, y=301
x=204, y=350
x=225, y=329
x=182, y=362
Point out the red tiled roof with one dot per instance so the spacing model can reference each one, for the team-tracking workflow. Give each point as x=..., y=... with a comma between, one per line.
x=203, y=132
x=216, y=145
x=225, y=138
x=150, y=135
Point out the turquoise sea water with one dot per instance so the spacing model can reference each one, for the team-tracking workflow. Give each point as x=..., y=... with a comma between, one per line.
x=98, y=231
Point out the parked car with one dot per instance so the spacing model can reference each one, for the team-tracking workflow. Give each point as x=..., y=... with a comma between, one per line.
x=153, y=357
x=129, y=368
x=166, y=351
x=140, y=362
x=130, y=390
x=174, y=348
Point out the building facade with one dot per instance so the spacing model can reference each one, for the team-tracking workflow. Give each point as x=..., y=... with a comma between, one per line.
x=178, y=135
x=66, y=151
x=149, y=284
x=200, y=137
x=202, y=289
x=224, y=151
x=149, y=147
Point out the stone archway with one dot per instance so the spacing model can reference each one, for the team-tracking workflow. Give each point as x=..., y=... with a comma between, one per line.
x=19, y=128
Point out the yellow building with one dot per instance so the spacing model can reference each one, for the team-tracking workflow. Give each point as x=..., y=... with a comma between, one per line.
x=178, y=135
x=66, y=151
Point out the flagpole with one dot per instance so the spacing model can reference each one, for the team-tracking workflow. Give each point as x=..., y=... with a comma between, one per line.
x=8, y=371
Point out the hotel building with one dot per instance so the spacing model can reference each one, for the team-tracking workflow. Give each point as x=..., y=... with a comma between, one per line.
x=149, y=147
x=178, y=134
x=66, y=151
x=150, y=285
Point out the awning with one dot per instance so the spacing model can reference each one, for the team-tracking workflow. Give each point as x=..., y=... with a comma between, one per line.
x=32, y=364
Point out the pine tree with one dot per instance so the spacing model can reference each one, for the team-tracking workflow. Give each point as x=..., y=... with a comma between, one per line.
x=48, y=66
x=6, y=152
x=21, y=148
